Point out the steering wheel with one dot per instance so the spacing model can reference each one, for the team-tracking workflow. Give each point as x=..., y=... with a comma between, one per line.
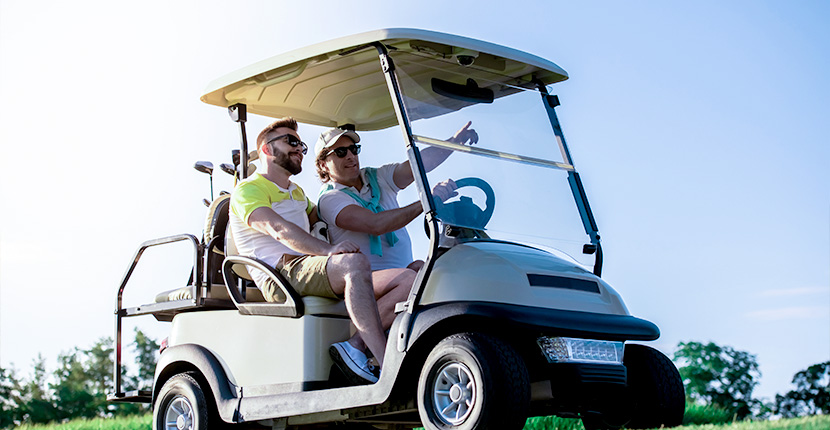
x=464, y=212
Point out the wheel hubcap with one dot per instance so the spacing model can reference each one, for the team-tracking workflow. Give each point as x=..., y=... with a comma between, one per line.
x=179, y=415
x=454, y=393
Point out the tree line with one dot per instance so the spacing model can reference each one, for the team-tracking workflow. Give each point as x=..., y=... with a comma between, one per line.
x=725, y=378
x=713, y=375
x=78, y=387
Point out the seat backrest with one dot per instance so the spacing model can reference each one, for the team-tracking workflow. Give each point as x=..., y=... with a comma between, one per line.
x=216, y=222
x=230, y=249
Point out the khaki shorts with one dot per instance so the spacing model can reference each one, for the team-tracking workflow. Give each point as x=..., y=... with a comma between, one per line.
x=307, y=274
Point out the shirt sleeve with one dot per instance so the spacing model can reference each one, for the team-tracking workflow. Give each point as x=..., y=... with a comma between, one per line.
x=386, y=173
x=246, y=198
x=331, y=203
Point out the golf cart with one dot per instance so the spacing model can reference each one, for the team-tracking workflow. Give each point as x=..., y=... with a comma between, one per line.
x=505, y=320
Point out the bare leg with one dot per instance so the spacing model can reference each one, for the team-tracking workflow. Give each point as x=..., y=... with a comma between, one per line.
x=350, y=275
x=391, y=287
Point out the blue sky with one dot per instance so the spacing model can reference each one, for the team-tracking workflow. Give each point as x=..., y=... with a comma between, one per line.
x=700, y=130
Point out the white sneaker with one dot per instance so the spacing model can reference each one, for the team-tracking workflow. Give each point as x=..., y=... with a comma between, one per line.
x=352, y=362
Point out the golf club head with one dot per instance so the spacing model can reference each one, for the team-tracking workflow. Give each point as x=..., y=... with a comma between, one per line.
x=227, y=168
x=235, y=157
x=204, y=167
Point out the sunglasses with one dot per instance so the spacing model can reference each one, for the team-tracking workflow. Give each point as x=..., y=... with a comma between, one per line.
x=293, y=141
x=341, y=151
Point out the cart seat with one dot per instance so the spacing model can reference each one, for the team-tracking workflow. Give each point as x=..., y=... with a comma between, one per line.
x=292, y=304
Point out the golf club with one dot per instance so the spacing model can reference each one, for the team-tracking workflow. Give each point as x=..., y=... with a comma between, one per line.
x=206, y=167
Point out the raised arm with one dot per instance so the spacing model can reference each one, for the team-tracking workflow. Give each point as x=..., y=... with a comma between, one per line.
x=266, y=221
x=433, y=156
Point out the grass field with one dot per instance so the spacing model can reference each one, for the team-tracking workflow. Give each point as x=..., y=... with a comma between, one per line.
x=540, y=423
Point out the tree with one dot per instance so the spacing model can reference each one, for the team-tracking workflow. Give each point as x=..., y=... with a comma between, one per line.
x=35, y=402
x=811, y=395
x=73, y=396
x=720, y=376
x=78, y=387
x=99, y=365
x=9, y=398
x=146, y=350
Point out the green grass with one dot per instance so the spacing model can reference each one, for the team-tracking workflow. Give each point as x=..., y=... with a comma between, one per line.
x=553, y=423
x=705, y=414
x=137, y=422
x=818, y=422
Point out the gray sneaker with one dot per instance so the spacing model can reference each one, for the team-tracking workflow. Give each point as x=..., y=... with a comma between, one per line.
x=356, y=369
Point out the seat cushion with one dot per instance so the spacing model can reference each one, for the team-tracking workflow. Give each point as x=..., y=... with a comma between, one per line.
x=313, y=305
x=216, y=292
x=324, y=306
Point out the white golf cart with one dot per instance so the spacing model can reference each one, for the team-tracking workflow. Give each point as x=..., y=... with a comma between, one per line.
x=503, y=322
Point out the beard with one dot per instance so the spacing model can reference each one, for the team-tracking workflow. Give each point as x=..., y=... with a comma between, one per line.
x=284, y=160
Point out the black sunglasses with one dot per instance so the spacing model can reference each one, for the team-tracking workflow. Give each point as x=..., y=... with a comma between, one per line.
x=293, y=141
x=341, y=151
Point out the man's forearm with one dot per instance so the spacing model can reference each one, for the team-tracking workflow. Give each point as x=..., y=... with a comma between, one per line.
x=376, y=224
x=292, y=236
x=396, y=219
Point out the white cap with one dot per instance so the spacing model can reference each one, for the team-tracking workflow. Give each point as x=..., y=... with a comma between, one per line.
x=329, y=138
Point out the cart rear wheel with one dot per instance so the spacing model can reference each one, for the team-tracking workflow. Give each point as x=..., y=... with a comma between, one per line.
x=473, y=381
x=181, y=405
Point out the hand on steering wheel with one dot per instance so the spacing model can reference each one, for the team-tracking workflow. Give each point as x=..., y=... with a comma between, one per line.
x=464, y=212
x=445, y=190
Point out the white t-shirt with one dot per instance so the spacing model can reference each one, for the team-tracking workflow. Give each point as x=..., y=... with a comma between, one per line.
x=332, y=202
x=255, y=192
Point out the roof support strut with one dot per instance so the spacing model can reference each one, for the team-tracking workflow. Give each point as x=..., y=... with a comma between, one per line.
x=420, y=175
x=239, y=113
x=550, y=102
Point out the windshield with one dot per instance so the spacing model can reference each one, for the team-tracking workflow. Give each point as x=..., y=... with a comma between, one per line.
x=513, y=183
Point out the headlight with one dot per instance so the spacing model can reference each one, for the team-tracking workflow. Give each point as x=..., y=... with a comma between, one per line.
x=570, y=350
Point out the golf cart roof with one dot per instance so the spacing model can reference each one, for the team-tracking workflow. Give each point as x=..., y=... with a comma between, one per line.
x=340, y=81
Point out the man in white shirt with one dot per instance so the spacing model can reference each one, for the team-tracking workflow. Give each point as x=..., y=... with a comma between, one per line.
x=360, y=205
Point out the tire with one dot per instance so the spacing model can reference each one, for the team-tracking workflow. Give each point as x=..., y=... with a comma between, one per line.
x=473, y=381
x=655, y=387
x=180, y=405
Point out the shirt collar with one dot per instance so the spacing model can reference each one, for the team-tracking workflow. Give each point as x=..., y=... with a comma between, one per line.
x=365, y=180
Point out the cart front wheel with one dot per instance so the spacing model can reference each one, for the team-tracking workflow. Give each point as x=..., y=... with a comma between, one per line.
x=180, y=405
x=656, y=388
x=473, y=381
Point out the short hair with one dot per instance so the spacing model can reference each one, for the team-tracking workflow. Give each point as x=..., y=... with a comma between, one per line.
x=287, y=122
x=318, y=163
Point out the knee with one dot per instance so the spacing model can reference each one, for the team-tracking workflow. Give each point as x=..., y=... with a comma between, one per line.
x=354, y=263
x=407, y=278
x=416, y=265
